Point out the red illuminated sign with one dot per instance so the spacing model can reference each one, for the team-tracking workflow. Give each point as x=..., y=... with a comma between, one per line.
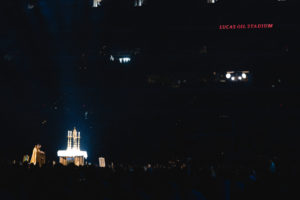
x=245, y=26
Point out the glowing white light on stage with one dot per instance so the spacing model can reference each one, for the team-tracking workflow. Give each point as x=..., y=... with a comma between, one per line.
x=228, y=75
x=71, y=153
x=244, y=76
x=240, y=78
x=233, y=78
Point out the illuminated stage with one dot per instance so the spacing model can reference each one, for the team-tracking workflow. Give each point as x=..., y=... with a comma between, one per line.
x=73, y=154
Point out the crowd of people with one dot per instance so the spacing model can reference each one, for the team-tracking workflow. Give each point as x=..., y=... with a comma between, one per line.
x=177, y=179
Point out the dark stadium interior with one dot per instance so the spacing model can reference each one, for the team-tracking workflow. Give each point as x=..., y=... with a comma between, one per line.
x=61, y=68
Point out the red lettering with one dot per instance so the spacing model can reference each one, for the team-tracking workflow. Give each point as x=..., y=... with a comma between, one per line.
x=245, y=26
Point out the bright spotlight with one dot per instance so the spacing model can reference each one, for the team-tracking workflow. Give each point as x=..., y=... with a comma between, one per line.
x=233, y=78
x=244, y=76
x=240, y=78
x=228, y=75
x=124, y=60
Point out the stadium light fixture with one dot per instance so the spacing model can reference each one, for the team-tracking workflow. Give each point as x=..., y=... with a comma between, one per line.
x=228, y=75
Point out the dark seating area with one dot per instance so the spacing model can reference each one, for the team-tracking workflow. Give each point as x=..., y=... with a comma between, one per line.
x=260, y=178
